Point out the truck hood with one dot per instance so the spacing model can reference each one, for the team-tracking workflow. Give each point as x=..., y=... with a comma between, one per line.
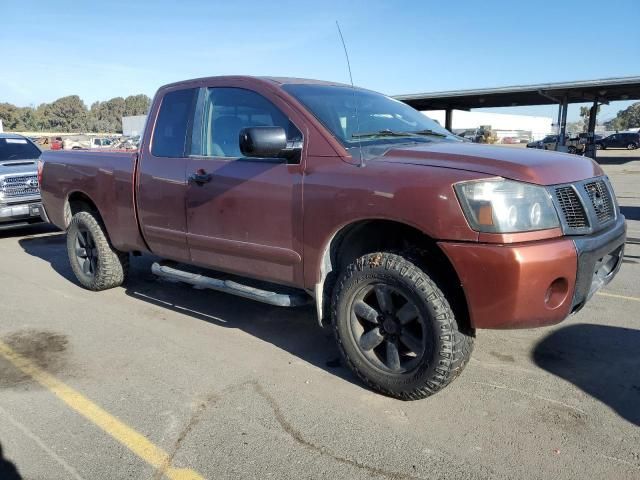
x=527, y=165
x=12, y=166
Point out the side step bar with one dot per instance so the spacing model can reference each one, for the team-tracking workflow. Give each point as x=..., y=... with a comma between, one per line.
x=229, y=286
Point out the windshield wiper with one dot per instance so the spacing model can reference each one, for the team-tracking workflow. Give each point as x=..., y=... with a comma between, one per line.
x=429, y=132
x=380, y=133
x=390, y=133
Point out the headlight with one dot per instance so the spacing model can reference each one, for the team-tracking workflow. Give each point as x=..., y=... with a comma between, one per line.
x=505, y=206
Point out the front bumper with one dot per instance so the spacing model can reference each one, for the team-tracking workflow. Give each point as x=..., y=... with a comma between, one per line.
x=20, y=214
x=599, y=259
x=534, y=284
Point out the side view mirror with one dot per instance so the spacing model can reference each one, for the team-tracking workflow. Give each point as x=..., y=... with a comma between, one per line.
x=266, y=142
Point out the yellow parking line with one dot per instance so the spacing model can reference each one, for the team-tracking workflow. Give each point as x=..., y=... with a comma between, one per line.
x=131, y=439
x=613, y=295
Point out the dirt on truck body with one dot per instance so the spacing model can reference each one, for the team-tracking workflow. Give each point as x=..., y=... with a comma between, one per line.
x=406, y=239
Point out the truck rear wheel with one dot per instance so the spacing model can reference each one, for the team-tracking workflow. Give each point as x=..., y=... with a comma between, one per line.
x=395, y=328
x=95, y=263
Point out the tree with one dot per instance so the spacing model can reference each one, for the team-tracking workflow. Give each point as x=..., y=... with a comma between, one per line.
x=585, y=113
x=575, y=127
x=136, y=105
x=19, y=119
x=67, y=114
x=8, y=114
x=106, y=116
x=625, y=119
x=70, y=114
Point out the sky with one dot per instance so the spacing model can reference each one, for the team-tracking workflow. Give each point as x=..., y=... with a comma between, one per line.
x=100, y=50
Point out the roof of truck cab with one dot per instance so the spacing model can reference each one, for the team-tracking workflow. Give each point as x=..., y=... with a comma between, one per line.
x=275, y=80
x=304, y=81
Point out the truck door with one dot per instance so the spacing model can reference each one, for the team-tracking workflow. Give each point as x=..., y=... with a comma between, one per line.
x=244, y=215
x=162, y=182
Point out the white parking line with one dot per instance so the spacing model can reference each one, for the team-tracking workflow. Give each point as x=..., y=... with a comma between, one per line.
x=613, y=295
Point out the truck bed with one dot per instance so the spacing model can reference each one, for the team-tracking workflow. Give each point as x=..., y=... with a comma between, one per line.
x=104, y=178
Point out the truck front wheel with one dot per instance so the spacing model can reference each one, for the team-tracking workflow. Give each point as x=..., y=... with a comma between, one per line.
x=395, y=328
x=95, y=263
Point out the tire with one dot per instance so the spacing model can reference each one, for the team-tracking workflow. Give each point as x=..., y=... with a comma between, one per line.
x=95, y=263
x=632, y=146
x=416, y=312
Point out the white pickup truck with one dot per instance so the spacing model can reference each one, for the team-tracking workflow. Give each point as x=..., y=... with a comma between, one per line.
x=20, y=202
x=82, y=143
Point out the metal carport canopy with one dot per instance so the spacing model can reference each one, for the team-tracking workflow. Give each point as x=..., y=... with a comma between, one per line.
x=604, y=91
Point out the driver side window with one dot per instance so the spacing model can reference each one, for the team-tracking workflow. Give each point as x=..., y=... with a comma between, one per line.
x=223, y=112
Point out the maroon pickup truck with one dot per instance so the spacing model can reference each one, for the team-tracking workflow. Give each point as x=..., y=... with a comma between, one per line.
x=290, y=191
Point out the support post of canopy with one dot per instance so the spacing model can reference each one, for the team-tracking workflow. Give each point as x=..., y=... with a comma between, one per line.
x=590, y=148
x=562, y=140
x=448, y=119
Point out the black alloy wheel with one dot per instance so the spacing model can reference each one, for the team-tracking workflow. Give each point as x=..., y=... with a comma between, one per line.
x=388, y=328
x=86, y=253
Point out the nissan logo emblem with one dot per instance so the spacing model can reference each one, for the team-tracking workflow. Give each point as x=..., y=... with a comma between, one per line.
x=598, y=201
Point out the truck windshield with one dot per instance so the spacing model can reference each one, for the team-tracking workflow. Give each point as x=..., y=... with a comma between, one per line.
x=379, y=117
x=18, y=149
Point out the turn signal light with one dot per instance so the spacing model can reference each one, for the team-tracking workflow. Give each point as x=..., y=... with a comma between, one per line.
x=485, y=215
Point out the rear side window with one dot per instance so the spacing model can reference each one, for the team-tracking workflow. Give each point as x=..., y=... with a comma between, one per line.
x=170, y=133
x=18, y=149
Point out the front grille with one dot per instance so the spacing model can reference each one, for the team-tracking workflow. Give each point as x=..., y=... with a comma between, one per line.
x=19, y=186
x=600, y=200
x=572, y=209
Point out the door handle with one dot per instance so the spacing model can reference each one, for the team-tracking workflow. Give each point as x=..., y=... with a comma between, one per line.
x=200, y=177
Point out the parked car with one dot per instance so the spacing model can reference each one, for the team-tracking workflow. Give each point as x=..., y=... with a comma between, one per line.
x=469, y=135
x=406, y=239
x=630, y=141
x=577, y=143
x=55, y=143
x=20, y=202
x=547, y=143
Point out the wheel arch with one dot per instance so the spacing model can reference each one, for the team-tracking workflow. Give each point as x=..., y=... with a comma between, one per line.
x=371, y=235
x=78, y=201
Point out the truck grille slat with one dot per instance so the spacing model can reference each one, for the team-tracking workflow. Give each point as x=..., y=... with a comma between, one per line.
x=571, y=207
x=19, y=186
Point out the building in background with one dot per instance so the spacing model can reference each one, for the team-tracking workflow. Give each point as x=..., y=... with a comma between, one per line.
x=134, y=125
x=504, y=125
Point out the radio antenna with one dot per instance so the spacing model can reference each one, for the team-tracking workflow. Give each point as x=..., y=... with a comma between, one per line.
x=355, y=100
